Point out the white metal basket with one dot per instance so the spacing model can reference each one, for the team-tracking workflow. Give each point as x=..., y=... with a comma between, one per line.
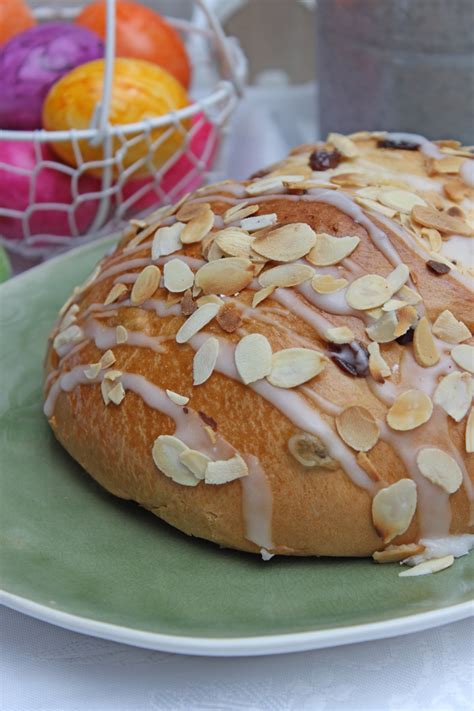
x=116, y=198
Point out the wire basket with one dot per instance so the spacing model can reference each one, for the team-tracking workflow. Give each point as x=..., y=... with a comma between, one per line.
x=99, y=196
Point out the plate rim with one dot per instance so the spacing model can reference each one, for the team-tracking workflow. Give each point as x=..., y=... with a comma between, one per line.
x=240, y=646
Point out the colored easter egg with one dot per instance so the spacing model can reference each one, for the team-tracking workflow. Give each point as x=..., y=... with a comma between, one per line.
x=141, y=33
x=51, y=185
x=182, y=176
x=15, y=16
x=141, y=90
x=31, y=62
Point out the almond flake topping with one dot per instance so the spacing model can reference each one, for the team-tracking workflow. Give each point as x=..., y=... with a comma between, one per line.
x=118, y=291
x=177, y=276
x=190, y=210
x=200, y=318
x=395, y=554
x=198, y=227
x=430, y=217
x=339, y=334
x=449, y=329
x=239, y=212
x=409, y=296
x=252, y=224
x=112, y=375
x=210, y=299
x=121, y=334
x=116, y=393
x=368, y=292
x=92, y=371
x=310, y=451
x=295, y=366
x=166, y=455
x=358, y=428
x=439, y=468
x=71, y=334
x=410, y=410
x=400, y=200
x=195, y=461
x=407, y=317
x=177, y=398
x=379, y=369
x=397, y=278
x=463, y=356
x=393, y=305
x=253, y=358
x=166, y=241
x=225, y=276
x=222, y=471
x=373, y=205
x=205, y=360
x=424, y=346
x=469, y=439
x=393, y=509
x=286, y=275
x=454, y=394
x=107, y=359
x=265, y=185
x=261, y=295
x=428, y=566
x=331, y=250
x=327, y=284
x=383, y=330
x=145, y=286
x=234, y=242
x=286, y=243
x=343, y=144
x=450, y=164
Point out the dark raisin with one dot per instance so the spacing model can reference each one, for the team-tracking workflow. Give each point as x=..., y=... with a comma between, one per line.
x=259, y=174
x=185, y=410
x=401, y=145
x=322, y=160
x=208, y=420
x=438, y=267
x=406, y=338
x=353, y=358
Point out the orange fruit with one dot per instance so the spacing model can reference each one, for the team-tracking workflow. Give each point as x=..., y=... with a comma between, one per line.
x=143, y=34
x=15, y=16
x=141, y=90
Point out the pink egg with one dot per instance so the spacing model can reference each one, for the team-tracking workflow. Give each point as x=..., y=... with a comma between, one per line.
x=182, y=176
x=52, y=184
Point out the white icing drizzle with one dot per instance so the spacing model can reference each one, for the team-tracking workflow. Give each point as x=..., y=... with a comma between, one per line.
x=466, y=173
x=105, y=337
x=257, y=504
x=439, y=547
x=334, y=303
x=297, y=306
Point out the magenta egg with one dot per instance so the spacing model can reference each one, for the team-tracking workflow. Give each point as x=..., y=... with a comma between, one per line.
x=21, y=177
x=31, y=62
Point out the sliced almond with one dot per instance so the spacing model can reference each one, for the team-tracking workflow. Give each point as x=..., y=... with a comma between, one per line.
x=210, y=299
x=395, y=554
x=377, y=206
x=393, y=509
x=285, y=275
x=166, y=454
x=226, y=276
x=327, y=284
x=121, y=334
x=456, y=189
x=116, y=393
x=107, y=359
x=205, y=360
x=424, y=346
x=234, y=242
x=69, y=317
x=383, y=330
x=118, y=291
x=266, y=185
x=448, y=165
x=368, y=292
x=113, y=375
x=229, y=318
x=198, y=227
x=167, y=241
x=105, y=387
x=439, y=468
x=454, y=394
x=409, y=296
x=406, y=317
x=223, y=471
x=378, y=367
x=397, y=278
x=295, y=366
x=410, y=410
x=433, y=237
x=339, y=334
x=393, y=305
x=343, y=144
x=429, y=217
x=239, y=212
x=177, y=398
x=200, y=318
x=252, y=224
x=71, y=335
x=177, y=276
x=92, y=371
x=358, y=428
x=435, y=565
x=400, y=200
x=311, y=452
x=190, y=210
x=463, y=356
x=449, y=329
x=253, y=358
x=469, y=437
x=261, y=295
x=286, y=243
x=195, y=461
x=146, y=285
x=331, y=250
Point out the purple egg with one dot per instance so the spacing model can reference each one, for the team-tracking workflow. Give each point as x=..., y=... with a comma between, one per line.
x=31, y=62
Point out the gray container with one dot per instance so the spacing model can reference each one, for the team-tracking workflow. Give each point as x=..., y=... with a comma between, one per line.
x=405, y=65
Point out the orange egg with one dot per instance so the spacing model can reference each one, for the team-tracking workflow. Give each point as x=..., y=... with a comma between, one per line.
x=141, y=90
x=15, y=16
x=143, y=34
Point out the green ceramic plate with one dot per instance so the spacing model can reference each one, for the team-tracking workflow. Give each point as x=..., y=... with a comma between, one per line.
x=77, y=557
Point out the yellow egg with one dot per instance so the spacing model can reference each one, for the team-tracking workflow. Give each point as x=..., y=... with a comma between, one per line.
x=141, y=90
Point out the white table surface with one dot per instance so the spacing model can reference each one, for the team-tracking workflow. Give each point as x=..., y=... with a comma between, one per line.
x=45, y=668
